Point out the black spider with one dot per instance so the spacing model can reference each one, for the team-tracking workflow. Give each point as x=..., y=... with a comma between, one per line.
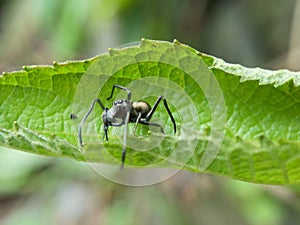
x=125, y=111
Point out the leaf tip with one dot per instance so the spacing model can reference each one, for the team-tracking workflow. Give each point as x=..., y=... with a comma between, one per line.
x=55, y=63
x=111, y=51
x=26, y=68
x=143, y=42
x=176, y=42
x=265, y=141
x=16, y=126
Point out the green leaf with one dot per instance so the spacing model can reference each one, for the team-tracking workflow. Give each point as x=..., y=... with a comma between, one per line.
x=234, y=121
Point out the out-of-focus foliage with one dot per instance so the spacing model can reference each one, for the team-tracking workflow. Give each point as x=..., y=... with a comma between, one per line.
x=36, y=190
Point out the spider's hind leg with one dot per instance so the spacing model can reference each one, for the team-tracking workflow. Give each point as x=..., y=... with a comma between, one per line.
x=150, y=114
x=153, y=125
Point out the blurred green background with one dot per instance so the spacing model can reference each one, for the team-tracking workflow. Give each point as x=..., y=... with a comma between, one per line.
x=43, y=190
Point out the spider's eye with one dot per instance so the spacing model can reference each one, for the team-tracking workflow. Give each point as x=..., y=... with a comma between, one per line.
x=118, y=102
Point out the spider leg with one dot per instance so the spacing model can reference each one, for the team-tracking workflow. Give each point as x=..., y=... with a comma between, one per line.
x=105, y=128
x=125, y=138
x=137, y=121
x=150, y=114
x=170, y=114
x=97, y=100
x=152, y=124
x=73, y=116
x=121, y=87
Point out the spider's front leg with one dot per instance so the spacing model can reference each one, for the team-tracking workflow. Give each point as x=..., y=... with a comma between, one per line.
x=122, y=88
x=125, y=138
x=98, y=101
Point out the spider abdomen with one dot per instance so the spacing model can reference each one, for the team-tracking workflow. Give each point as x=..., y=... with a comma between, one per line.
x=141, y=107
